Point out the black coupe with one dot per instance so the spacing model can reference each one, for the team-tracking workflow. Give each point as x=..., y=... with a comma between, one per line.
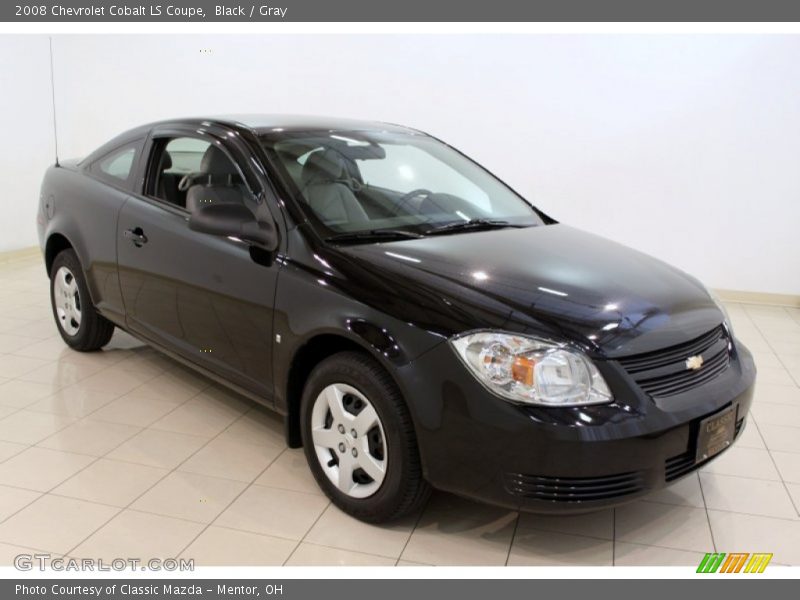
x=416, y=321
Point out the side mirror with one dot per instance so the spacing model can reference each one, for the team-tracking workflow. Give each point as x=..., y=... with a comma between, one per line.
x=234, y=220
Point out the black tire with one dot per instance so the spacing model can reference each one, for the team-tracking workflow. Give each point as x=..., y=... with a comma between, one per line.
x=403, y=489
x=94, y=331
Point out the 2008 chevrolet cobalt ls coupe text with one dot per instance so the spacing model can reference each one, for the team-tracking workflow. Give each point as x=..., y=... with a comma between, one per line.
x=416, y=321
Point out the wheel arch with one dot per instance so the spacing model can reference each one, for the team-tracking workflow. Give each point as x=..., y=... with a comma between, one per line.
x=307, y=356
x=56, y=243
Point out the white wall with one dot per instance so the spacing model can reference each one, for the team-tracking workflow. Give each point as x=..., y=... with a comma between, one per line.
x=26, y=135
x=686, y=147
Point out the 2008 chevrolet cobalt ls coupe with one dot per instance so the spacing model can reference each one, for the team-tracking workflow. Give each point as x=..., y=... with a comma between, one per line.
x=416, y=321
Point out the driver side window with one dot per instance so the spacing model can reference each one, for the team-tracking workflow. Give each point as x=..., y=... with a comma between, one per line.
x=190, y=172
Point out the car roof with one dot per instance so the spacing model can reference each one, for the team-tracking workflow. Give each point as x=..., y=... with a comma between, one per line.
x=264, y=123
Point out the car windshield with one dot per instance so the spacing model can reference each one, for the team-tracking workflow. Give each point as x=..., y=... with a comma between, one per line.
x=357, y=185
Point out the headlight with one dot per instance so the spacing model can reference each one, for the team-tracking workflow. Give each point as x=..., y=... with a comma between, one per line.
x=532, y=371
x=723, y=310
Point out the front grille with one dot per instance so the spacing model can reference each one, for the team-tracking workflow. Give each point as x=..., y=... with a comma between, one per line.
x=664, y=372
x=573, y=489
x=680, y=465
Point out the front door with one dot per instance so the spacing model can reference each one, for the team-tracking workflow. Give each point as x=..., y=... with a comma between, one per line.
x=208, y=298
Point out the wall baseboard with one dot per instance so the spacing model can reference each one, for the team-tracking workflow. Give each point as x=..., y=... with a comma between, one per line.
x=22, y=253
x=742, y=297
x=727, y=295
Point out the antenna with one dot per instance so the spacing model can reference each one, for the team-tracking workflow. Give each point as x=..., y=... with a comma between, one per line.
x=53, y=96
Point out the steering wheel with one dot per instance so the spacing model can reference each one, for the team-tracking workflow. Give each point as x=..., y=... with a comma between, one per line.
x=404, y=199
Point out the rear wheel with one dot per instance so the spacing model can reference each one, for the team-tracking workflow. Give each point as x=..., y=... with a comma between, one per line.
x=78, y=322
x=359, y=439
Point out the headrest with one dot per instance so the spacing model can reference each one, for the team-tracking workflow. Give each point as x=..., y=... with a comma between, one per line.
x=322, y=166
x=216, y=162
x=165, y=162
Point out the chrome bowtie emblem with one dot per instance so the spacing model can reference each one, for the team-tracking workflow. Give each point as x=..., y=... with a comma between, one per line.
x=694, y=362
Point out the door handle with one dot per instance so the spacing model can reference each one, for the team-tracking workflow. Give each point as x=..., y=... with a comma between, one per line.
x=137, y=236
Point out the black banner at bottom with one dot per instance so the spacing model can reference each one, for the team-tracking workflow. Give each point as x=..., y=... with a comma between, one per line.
x=731, y=588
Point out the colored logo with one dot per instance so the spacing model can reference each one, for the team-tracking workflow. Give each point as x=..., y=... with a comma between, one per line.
x=735, y=562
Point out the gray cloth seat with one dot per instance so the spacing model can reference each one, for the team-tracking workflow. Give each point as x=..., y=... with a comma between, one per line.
x=324, y=175
x=217, y=182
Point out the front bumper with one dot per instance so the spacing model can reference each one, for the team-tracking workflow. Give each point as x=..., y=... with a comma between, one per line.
x=561, y=460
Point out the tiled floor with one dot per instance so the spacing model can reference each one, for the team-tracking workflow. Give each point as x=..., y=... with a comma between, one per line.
x=124, y=453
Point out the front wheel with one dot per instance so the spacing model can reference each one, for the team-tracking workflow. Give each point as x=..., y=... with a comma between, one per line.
x=78, y=322
x=359, y=439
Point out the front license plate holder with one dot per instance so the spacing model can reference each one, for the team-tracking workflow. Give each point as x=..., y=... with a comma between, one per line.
x=716, y=433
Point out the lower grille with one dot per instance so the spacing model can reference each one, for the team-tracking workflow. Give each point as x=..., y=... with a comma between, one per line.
x=664, y=372
x=681, y=464
x=573, y=489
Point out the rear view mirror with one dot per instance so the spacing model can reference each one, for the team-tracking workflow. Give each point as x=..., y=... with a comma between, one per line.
x=234, y=220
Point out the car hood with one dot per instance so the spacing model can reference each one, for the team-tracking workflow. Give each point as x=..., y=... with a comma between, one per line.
x=551, y=280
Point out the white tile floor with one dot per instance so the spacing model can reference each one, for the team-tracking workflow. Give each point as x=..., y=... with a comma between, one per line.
x=124, y=453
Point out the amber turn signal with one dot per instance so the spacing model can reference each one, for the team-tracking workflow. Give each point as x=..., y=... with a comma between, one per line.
x=522, y=370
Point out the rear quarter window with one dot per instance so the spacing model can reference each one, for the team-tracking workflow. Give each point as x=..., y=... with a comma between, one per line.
x=117, y=167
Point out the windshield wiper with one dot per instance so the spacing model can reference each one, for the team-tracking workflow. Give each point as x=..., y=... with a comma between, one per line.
x=382, y=235
x=472, y=224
